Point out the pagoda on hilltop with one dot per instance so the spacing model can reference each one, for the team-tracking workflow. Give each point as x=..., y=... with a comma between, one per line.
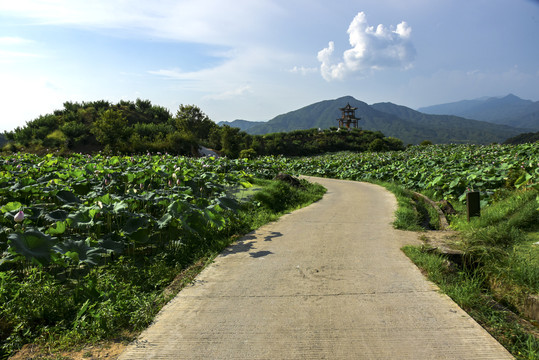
x=348, y=118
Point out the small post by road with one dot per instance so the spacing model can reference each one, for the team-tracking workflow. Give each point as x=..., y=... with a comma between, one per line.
x=473, y=204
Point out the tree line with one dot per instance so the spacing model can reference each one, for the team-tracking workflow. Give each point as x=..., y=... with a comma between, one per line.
x=138, y=127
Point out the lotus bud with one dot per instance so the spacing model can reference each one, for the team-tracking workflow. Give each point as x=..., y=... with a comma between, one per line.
x=170, y=183
x=19, y=217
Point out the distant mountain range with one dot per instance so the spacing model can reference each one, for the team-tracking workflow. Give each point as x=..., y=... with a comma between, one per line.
x=409, y=125
x=508, y=110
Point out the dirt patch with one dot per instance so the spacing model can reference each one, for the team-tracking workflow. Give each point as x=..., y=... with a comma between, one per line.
x=106, y=350
x=443, y=240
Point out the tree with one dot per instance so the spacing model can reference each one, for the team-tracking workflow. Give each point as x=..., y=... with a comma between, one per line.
x=230, y=141
x=111, y=129
x=190, y=119
x=378, y=145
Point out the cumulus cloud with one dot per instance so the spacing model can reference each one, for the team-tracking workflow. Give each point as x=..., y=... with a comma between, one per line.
x=371, y=49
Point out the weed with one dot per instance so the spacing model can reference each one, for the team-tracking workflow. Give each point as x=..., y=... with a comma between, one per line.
x=412, y=212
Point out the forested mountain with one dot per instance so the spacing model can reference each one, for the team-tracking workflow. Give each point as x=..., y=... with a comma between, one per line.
x=449, y=128
x=411, y=126
x=508, y=110
x=243, y=125
x=523, y=138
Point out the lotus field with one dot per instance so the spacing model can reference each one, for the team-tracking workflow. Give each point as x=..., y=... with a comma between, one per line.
x=449, y=171
x=82, y=209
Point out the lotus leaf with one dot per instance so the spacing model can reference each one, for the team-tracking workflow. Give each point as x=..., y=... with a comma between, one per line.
x=33, y=245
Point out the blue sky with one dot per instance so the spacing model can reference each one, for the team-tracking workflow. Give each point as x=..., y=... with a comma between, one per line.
x=253, y=60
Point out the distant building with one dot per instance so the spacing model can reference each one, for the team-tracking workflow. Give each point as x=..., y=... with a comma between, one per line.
x=348, y=119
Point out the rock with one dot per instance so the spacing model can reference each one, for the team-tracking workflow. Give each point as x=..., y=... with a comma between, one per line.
x=288, y=179
x=446, y=207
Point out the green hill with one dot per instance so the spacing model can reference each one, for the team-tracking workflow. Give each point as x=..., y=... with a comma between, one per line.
x=451, y=129
x=411, y=126
x=243, y=125
x=523, y=138
x=508, y=110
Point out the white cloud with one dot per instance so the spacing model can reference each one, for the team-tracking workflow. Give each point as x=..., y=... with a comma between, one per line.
x=230, y=94
x=9, y=49
x=204, y=21
x=303, y=70
x=13, y=40
x=173, y=74
x=244, y=66
x=372, y=49
x=14, y=56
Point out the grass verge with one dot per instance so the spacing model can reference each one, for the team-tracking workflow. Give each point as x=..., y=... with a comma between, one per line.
x=501, y=267
x=412, y=213
x=470, y=290
x=116, y=301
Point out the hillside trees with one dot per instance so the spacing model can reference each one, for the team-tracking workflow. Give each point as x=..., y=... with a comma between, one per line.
x=111, y=130
x=140, y=127
x=191, y=120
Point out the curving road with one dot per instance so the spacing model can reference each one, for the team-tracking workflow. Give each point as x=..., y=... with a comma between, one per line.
x=325, y=282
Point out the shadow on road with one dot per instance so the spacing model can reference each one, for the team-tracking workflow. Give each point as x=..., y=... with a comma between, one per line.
x=272, y=235
x=246, y=244
x=260, y=254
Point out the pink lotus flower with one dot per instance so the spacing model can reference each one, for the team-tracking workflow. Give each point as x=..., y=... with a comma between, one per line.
x=19, y=217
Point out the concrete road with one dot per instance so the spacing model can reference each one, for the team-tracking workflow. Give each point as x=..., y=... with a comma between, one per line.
x=326, y=282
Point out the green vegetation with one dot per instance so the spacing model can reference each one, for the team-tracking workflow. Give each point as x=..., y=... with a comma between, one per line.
x=523, y=138
x=445, y=171
x=412, y=213
x=126, y=127
x=141, y=127
x=469, y=288
x=105, y=234
x=90, y=243
x=500, y=242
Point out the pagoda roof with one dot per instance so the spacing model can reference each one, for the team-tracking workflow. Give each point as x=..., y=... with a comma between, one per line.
x=348, y=107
